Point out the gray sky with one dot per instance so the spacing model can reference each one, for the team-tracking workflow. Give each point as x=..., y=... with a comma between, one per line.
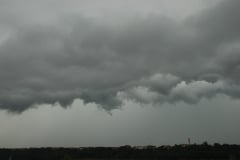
x=118, y=72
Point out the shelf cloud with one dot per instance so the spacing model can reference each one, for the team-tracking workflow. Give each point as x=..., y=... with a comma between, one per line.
x=55, y=55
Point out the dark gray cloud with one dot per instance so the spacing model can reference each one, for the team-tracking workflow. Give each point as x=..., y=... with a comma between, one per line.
x=57, y=56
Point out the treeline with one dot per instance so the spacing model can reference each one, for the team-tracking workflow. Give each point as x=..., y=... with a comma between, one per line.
x=203, y=151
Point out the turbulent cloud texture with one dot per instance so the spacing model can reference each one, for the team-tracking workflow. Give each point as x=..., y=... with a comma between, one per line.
x=51, y=55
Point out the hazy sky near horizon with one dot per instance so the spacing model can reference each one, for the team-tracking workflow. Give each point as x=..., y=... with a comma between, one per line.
x=109, y=72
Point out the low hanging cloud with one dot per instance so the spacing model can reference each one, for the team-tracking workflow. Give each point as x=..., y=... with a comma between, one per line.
x=190, y=92
x=56, y=57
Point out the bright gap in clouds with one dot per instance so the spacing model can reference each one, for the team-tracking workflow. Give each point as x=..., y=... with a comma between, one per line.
x=213, y=120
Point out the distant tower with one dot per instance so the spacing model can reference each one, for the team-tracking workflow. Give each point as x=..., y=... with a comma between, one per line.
x=189, y=141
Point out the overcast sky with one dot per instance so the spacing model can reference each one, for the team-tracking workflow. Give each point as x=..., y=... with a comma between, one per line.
x=109, y=72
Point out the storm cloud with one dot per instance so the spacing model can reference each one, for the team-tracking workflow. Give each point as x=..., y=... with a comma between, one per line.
x=53, y=54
